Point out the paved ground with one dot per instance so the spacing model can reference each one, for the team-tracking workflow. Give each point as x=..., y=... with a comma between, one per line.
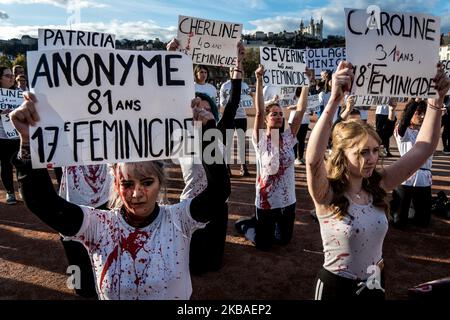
x=32, y=261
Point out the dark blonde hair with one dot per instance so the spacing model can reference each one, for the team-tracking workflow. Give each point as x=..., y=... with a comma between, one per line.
x=348, y=134
x=138, y=170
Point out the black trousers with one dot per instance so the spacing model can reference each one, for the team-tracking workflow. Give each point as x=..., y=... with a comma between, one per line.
x=208, y=244
x=274, y=226
x=420, y=197
x=446, y=131
x=299, y=149
x=329, y=286
x=385, y=129
x=77, y=255
x=241, y=124
x=8, y=147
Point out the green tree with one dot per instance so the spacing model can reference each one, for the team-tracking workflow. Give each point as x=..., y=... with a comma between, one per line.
x=251, y=62
x=20, y=59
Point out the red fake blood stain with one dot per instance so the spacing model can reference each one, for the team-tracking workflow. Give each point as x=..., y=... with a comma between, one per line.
x=265, y=185
x=72, y=170
x=135, y=241
x=109, y=262
x=342, y=255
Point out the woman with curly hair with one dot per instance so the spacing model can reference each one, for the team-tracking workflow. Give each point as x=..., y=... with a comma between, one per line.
x=349, y=192
x=417, y=188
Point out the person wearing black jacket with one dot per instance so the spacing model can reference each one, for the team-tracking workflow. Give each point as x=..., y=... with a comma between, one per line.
x=138, y=249
x=208, y=244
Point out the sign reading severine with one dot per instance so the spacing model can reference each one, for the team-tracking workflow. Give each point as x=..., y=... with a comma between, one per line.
x=58, y=39
x=393, y=53
x=209, y=42
x=108, y=106
x=283, y=67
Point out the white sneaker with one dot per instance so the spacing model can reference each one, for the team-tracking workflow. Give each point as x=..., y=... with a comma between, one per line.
x=11, y=198
x=297, y=162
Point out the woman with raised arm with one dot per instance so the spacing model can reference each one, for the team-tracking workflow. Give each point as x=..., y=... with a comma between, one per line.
x=208, y=244
x=8, y=144
x=349, y=192
x=275, y=178
x=138, y=249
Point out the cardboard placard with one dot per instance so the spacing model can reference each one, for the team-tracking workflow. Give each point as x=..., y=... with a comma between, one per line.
x=99, y=106
x=283, y=67
x=209, y=42
x=394, y=54
x=52, y=39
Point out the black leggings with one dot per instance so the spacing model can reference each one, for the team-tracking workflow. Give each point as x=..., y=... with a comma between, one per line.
x=241, y=124
x=446, y=131
x=208, y=244
x=385, y=129
x=77, y=255
x=274, y=226
x=8, y=147
x=329, y=286
x=299, y=149
x=401, y=202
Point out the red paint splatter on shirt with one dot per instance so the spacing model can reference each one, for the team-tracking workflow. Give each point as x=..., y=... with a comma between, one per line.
x=109, y=262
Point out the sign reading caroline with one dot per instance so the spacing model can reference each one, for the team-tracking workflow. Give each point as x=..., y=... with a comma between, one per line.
x=100, y=106
x=283, y=67
x=393, y=53
x=209, y=42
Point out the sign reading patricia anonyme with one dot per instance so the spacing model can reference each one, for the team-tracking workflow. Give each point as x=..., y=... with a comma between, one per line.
x=108, y=106
x=394, y=54
x=283, y=67
x=209, y=42
x=49, y=39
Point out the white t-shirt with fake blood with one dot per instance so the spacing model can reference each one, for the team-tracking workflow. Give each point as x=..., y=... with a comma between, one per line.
x=275, y=174
x=353, y=244
x=86, y=185
x=422, y=177
x=150, y=263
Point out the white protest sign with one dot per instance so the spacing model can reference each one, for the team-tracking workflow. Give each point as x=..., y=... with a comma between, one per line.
x=49, y=39
x=392, y=52
x=209, y=42
x=246, y=99
x=108, y=106
x=313, y=106
x=313, y=103
x=324, y=59
x=283, y=67
x=287, y=97
x=365, y=102
x=10, y=131
x=10, y=99
x=446, y=65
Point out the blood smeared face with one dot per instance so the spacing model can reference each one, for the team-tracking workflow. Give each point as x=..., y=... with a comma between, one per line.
x=138, y=193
